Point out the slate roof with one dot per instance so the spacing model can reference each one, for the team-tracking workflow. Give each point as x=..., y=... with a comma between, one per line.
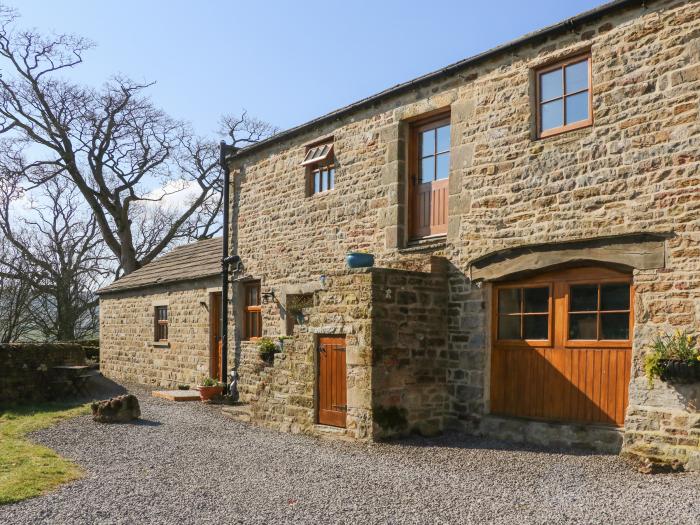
x=185, y=263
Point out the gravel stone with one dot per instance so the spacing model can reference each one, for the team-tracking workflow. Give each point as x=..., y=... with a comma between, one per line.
x=186, y=463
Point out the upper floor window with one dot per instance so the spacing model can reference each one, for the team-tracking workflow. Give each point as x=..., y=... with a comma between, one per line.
x=161, y=323
x=564, y=96
x=429, y=170
x=320, y=164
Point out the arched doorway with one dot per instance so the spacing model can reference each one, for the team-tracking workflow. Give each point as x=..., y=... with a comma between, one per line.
x=562, y=346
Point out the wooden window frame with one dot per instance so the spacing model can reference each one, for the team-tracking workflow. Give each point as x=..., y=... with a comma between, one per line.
x=251, y=309
x=160, y=325
x=319, y=168
x=599, y=343
x=432, y=121
x=538, y=104
x=525, y=343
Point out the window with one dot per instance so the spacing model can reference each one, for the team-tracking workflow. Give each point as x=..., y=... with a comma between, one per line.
x=599, y=312
x=564, y=96
x=252, y=314
x=294, y=307
x=161, y=323
x=523, y=313
x=320, y=165
x=429, y=172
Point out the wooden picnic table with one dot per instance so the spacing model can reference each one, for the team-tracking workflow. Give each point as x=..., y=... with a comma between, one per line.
x=76, y=376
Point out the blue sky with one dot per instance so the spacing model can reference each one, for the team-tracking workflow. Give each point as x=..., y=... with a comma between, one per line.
x=285, y=62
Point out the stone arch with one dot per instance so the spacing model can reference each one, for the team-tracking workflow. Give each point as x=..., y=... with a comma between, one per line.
x=642, y=251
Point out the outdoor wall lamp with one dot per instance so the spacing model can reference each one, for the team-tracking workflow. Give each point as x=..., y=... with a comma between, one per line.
x=268, y=296
x=323, y=281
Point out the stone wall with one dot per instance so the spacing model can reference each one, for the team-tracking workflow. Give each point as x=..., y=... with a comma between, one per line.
x=411, y=362
x=394, y=323
x=25, y=368
x=127, y=348
x=634, y=170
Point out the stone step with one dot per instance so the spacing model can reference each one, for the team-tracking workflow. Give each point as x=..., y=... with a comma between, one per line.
x=240, y=412
x=605, y=439
x=329, y=432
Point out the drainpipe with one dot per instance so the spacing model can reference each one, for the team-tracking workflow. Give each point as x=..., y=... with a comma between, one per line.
x=226, y=261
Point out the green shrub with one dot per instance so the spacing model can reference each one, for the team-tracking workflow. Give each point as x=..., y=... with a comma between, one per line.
x=209, y=381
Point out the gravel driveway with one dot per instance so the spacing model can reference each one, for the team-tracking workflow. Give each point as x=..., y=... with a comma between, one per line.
x=185, y=463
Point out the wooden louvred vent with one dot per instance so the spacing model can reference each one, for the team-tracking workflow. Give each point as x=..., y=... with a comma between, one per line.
x=317, y=154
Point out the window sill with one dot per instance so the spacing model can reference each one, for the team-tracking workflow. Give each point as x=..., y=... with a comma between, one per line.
x=160, y=344
x=565, y=129
x=319, y=194
x=425, y=244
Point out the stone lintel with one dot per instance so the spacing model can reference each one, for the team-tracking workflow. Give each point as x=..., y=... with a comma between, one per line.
x=642, y=251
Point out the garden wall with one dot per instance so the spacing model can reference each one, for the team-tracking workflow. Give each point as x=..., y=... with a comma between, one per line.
x=25, y=369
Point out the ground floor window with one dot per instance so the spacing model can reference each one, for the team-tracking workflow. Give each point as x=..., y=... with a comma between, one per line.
x=252, y=313
x=161, y=323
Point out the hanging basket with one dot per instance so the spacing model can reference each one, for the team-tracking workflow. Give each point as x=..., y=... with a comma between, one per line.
x=675, y=370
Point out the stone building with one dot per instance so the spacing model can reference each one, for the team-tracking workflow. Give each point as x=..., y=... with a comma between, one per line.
x=534, y=216
x=160, y=325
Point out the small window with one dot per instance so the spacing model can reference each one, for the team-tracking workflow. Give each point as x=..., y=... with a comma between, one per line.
x=523, y=313
x=320, y=165
x=252, y=313
x=294, y=307
x=564, y=96
x=599, y=312
x=161, y=323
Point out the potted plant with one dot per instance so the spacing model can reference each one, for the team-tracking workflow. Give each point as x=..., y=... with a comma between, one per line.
x=209, y=388
x=267, y=349
x=673, y=357
x=359, y=260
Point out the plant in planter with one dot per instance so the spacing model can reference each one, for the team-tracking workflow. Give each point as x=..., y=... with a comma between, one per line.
x=267, y=349
x=673, y=357
x=209, y=388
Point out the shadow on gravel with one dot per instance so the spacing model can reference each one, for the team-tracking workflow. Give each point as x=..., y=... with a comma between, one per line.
x=145, y=423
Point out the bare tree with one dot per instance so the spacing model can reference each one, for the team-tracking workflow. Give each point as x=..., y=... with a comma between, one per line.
x=15, y=300
x=112, y=143
x=59, y=255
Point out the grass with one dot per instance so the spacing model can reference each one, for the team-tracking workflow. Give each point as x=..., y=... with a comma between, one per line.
x=27, y=469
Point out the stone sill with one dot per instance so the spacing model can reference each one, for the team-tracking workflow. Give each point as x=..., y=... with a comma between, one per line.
x=424, y=245
x=159, y=344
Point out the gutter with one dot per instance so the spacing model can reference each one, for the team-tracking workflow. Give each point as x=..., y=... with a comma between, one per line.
x=560, y=27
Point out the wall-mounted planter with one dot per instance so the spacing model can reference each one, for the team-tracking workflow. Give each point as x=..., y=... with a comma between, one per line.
x=359, y=260
x=680, y=371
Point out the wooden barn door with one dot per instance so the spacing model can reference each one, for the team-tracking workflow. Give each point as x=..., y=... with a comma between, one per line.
x=429, y=168
x=562, y=346
x=215, y=335
x=332, y=387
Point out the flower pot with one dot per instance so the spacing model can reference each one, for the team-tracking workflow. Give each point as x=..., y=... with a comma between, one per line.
x=208, y=392
x=359, y=260
x=680, y=371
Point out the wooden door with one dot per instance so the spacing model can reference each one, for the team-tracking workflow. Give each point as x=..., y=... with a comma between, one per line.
x=562, y=346
x=215, y=336
x=429, y=167
x=332, y=386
